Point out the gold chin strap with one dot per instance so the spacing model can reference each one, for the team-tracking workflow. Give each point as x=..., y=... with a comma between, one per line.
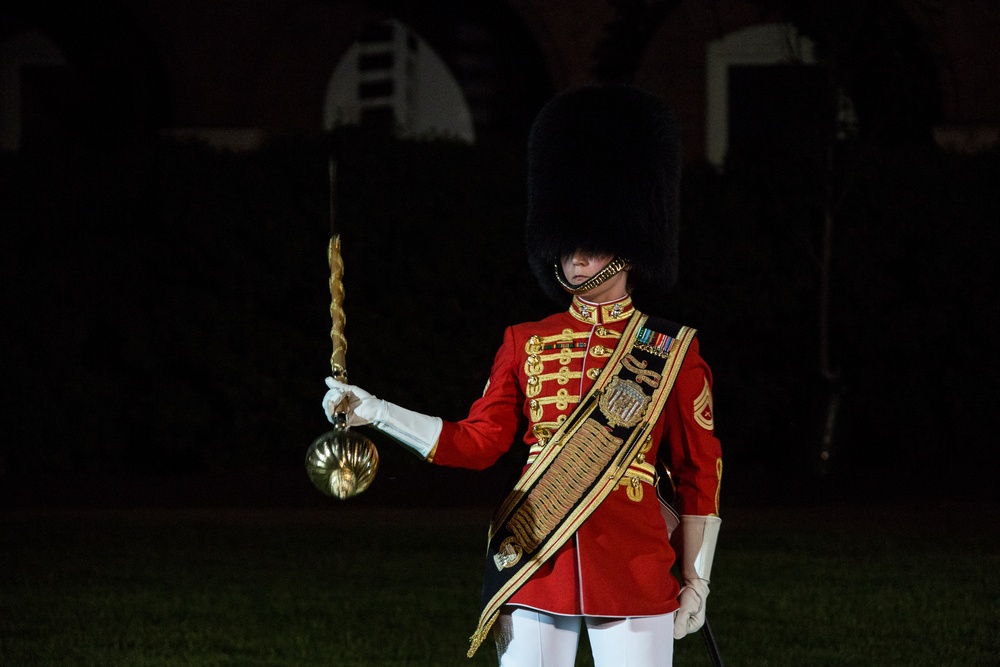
x=613, y=267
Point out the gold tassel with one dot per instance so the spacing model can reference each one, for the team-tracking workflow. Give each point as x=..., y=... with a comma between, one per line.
x=480, y=635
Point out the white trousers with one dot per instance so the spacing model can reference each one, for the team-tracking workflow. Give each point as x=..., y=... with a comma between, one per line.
x=529, y=638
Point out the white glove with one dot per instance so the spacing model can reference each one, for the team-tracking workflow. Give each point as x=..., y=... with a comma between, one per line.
x=698, y=535
x=361, y=406
x=417, y=431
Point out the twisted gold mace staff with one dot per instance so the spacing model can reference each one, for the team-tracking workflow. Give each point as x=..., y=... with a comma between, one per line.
x=341, y=462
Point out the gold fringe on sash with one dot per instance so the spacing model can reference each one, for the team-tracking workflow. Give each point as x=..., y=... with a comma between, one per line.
x=480, y=635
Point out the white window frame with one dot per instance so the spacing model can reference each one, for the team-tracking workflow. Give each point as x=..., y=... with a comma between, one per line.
x=764, y=44
x=28, y=48
x=426, y=100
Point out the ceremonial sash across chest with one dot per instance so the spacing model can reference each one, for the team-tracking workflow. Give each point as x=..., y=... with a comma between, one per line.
x=583, y=461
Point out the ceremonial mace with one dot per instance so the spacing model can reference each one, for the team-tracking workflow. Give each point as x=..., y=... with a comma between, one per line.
x=341, y=462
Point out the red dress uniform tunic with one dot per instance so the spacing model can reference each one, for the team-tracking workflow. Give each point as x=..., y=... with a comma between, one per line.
x=618, y=563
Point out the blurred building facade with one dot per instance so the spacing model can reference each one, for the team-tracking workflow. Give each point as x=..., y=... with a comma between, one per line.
x=127, y=250
x=239, y=75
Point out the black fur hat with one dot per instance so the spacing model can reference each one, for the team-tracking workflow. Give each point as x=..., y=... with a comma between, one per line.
x=603, y=176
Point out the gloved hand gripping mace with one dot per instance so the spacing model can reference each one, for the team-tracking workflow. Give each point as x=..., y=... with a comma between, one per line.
x=341, y=462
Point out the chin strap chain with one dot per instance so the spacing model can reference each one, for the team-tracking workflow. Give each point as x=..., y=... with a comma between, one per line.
x=613, y=267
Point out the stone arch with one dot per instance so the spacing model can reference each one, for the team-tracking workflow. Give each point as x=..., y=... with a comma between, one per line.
x=393, y=74
x=882, y=59
x=486, y=46
x=496, y=59
x=756, y=45
x=92, y=78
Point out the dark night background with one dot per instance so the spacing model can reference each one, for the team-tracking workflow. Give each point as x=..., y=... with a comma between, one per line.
x=166, y=326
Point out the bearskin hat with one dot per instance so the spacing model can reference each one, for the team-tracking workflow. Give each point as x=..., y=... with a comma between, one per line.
x=603, y=177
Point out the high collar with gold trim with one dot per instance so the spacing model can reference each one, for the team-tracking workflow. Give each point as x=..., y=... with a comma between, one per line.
x=601, y=313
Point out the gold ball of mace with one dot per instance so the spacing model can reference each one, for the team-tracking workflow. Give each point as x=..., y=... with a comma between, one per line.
x=341, y=462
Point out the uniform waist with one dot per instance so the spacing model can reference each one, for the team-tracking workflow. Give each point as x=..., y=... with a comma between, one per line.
x=639, y=471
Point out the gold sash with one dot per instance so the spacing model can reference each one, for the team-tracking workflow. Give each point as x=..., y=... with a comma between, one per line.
x=583, y=460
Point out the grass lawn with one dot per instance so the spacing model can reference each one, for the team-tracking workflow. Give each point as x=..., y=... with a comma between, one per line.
x=350, y=586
